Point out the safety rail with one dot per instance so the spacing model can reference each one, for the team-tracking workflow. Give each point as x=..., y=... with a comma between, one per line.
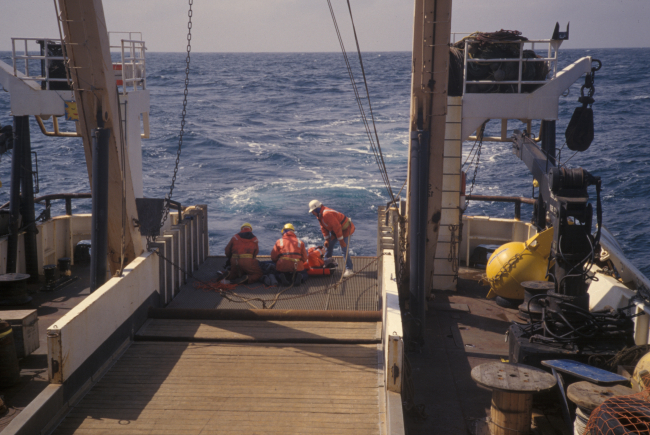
x=68, y=197
x=551, y=59
x=456, y=34
x=131, y=70
x=45, y=59
x=516, y=200
x=56, y=130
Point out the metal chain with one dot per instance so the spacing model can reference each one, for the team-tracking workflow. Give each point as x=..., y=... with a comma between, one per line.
x=184, y=112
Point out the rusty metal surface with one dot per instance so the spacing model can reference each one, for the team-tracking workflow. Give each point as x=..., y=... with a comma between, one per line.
x=360, y=293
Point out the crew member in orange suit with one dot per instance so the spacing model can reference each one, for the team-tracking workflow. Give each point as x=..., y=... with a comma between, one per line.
x=242, y=252
x=289, y=255
x=336, y=227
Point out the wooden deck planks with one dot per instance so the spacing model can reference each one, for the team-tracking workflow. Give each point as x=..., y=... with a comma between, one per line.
x=260, y=331
x=235, y=388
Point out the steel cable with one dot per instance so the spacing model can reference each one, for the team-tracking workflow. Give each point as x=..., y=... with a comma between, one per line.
x=379, y=159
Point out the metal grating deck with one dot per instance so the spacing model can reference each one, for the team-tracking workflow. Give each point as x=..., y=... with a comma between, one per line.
x=359, y=293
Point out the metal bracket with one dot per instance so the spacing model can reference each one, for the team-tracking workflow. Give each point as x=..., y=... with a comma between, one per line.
x=150, y=211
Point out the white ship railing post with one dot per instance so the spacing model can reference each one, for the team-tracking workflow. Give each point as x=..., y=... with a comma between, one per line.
x=13, y=55
x=521, y=65
x=465, y=68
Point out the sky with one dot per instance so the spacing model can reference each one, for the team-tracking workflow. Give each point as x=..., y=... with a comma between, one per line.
x=306, y=25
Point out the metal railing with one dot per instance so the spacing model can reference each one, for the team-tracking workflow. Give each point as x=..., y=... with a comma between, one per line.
x=68, y=197
x=131, y=70
x=454, y=35
x=23, y=54
x=552, y=47
x=55, y=125
x=516, y=200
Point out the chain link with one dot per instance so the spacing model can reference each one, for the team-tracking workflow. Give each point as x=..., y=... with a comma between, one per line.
x=183, y=113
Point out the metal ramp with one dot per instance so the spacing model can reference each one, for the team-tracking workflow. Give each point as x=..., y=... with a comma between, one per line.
x=224, y=376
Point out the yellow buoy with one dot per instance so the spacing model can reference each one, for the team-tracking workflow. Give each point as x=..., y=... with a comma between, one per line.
x=517, y=262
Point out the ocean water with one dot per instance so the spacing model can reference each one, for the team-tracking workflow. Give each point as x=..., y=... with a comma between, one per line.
x=268, y=132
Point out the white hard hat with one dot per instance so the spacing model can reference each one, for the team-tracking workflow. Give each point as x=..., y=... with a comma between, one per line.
x=314, y=204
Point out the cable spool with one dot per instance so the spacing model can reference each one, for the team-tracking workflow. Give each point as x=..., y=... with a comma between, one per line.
x=13, y=289
x=580, y=424
x=9, y=370
x=588, y=397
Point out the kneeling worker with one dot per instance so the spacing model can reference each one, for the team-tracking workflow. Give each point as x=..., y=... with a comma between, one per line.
x=289, y=255
x=242, y=251
x=336, y=227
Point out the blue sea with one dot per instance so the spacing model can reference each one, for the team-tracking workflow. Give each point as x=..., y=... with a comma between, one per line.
x=268, y=132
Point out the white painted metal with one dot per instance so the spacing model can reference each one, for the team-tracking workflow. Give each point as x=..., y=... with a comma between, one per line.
x=540, y=104
x=551, y=59
x=27, y=98
x=26, y=56
x=443, y=273
x=133, y=106
x=479, y=230
x=74, y=337
x=56, y=238
x=393, y=333
x=132, y=66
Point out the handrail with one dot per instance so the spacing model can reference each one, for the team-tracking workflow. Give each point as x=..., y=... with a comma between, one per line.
x=54, y=196
x=551, y=58
x=55, y=124
x=517, y=200
x=81, y=195
x=132, y=65
x=45, y=57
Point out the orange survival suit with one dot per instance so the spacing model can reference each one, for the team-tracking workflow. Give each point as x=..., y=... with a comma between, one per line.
x=315, y=263
x=289, y=253
x=242, y=251
x=333, y=223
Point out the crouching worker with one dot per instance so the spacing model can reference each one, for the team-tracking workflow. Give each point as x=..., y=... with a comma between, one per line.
x=315, y=265
x=242, y=252
x=289, y=255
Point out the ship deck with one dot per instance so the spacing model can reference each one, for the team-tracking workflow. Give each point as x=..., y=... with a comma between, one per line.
x=226, y=376
x=464, y=330
x=50, y=307
x=357, y=294
x=242, y=376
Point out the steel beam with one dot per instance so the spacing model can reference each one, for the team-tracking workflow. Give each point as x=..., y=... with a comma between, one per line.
x=87, y=47
x=429, y=80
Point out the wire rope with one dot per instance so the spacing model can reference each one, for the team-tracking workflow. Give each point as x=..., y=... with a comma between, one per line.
x=375, y=147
